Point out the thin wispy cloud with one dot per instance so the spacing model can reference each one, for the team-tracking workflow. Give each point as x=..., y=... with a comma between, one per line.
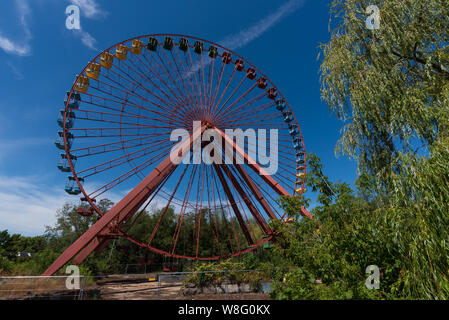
x=12, y=146
x=28, y=205
x=86, y=39
x=253, y=32
x=247, y=35
x=19, y=47
x=89, y=8
x=18, y=75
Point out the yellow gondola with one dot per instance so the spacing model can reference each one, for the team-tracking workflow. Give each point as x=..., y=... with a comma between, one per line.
x=300, y=175
x=137, y=46
x=93, y=71
x=121, y=51
x=81, y=84
x=289, y=219
x=300, y=168
x=300, y=190
x=107, y=60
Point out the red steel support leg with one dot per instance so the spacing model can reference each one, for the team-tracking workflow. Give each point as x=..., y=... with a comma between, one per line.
x=86, y=251
x=234, y=205
x=255, y=190
x=247, y=200
x=123, y=209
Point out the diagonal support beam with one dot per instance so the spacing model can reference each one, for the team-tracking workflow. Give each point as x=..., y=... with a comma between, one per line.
x=255, y=190
x=246, y=199
x=234, y=206
x=229, y=142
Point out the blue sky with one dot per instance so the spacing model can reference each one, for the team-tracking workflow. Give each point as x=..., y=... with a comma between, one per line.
x=39, y=58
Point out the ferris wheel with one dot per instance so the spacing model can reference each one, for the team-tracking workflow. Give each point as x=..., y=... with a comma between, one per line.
x=116, y=140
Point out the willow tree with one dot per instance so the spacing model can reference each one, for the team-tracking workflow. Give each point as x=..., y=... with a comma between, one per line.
x=391, y=87
x=390, y=84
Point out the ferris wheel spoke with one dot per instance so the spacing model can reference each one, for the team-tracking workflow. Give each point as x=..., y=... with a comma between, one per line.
x=164, y=67
x=143, y=209
x=231, y=95
x=256, y=120
x=233, y=204
x=143, y=76
x=210, y=82
x=186, y=76
x=169, y=73
x=249, y=203
x=210, y=187
x=200, y=211
x=242, y=202
x=125, y=176
x=177, y=102
x=181, y=103
x=192, y=103
x=174, y=103
x=229, y=231
x=114, y=135
x=195, y=103
x=101, y=129
x=126, y=92
x=183, y=211
x=224, y=90
x=123, y=103
x=147, y=91
x=104, y=145
x=272, y=203
x=124, y=123
x=193, y=71
x=165, y=209
x=102, y=149
x=237, y=100
x=205, y=90
x=217, y=88
x=243, y=108
x=140, y=106
x=252, y=189
x=253, y=165
x=103, y=114
x=256, y=112
x=115, y=162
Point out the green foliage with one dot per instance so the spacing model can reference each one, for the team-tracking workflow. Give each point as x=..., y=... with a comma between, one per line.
x=407, y=240
x=228, y=271
x=251, y=261
x=37, y=265
x=390, y=84
x=346, y=235
x=5, y=265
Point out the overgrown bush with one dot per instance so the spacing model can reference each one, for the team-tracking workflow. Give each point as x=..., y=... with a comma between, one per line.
x=226, y=270
x=5, y=265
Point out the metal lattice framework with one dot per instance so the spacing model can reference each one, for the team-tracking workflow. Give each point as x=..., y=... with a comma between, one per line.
x=115, y=136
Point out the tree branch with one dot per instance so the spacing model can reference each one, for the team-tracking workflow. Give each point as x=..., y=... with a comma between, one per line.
x=435, y=66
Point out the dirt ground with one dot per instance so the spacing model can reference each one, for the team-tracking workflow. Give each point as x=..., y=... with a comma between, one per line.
x=113, y=288
x=167, y=291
